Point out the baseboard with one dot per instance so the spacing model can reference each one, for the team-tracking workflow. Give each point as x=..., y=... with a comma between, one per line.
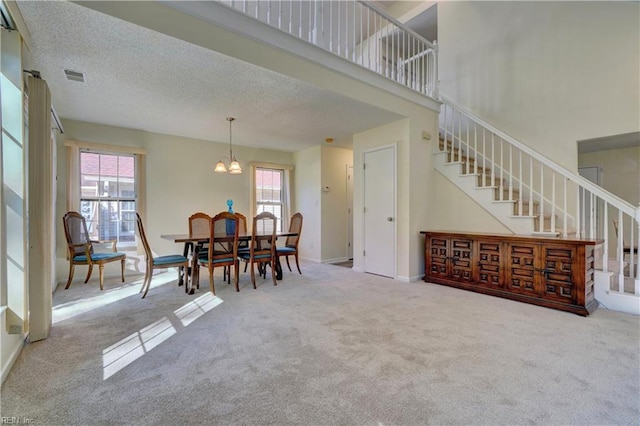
x=336, y=260
x=613, y=300
x=308, y=259
x=357, y=269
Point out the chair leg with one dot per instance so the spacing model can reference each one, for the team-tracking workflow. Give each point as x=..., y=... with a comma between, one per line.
x=71, y=268
x=88, y=273
x=144, y=281
x=101, y=276
x=236, y=268
x=297, y=264
x=273, y=272
x=122, y=269
x=253, y=276
x=147, y=282
x=288, y=266
x=213, y=288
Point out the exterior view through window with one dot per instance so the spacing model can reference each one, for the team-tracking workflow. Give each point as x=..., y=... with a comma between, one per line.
x=269, y=194
x=108, y=196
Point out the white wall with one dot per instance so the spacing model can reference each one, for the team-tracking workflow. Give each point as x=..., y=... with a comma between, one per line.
x=547, y=73
x=334, y=202
x=308, y=191
x=180, y=181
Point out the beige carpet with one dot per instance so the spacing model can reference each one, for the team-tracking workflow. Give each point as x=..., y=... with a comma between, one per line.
x=332, y=346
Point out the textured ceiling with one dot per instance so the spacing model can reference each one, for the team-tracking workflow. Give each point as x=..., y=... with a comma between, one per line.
x=137, y=78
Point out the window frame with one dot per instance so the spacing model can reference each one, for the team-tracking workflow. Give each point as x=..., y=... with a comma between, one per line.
x=74, y=148
x=285, y=191
x=120, y=199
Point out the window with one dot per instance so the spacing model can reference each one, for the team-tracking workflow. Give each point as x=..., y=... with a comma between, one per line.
x=269, y=193
x=108, y=195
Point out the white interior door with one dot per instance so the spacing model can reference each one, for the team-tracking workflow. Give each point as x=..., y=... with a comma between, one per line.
x=380, y=211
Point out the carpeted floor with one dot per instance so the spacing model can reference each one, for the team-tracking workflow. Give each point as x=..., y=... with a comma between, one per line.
x=332, y=346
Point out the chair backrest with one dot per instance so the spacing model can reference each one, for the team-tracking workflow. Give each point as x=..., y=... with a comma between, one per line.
x=199, y=224
x=224, y=224
x=143, y=237
x=295, y=226
x=76, y=233
x=242, y=222
x=263, y=224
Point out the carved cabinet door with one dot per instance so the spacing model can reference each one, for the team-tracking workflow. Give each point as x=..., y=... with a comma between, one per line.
x=559, y=264
x=450, y=257
x=544, y=270
x=489, y=267
x=437, y=256
x=522, y=261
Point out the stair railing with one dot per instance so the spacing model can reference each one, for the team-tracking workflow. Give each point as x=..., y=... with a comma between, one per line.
x=543, y=190
x=357, y=31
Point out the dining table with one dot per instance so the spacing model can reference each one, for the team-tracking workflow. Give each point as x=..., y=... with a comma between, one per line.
x=197, y=240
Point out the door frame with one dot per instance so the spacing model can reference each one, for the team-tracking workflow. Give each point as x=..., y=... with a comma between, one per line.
x=394, y=150
x=349, y=184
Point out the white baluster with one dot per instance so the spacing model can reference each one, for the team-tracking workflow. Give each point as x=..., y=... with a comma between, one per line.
x=510, y=172
x=521, y=194
x=475, y=148
x=553, y=201
x=620, y=254
x=493, y=160
x=541, y=229
x=631, y=246
x=565, y=217
x=605, y=251
x=466, y=119
x=531, y=186
x=579, y=222
x=501, y=170
x=300, y=21
x=484, y=157
x=637, y=281
x=592, y=219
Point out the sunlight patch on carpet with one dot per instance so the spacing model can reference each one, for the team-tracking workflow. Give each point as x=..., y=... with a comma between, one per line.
x=127, y=350
x=68, y=310
x=194, y=310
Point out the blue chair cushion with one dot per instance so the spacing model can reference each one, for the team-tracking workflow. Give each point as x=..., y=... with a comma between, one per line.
x=223, y=260
x=168, y=259
x=98, y=256
x=246, y=256
x=286, y=250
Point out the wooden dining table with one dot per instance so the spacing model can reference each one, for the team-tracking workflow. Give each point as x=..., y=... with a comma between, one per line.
x=198, y=239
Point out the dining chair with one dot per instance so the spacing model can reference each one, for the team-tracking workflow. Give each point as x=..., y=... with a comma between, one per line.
x=242, y=245
x=159, y=262
x=81, y=250
x=221, y=253
x=291, y=245
x=199, y=224
x=262, y=246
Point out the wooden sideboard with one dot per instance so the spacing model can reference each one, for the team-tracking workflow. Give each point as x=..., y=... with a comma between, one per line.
x=556, y=273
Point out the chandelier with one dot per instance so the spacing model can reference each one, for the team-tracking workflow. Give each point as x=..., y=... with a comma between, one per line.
x=234, y=166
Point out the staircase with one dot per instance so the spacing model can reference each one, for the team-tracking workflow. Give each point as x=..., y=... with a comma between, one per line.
x=531, y=195
x=527, y=192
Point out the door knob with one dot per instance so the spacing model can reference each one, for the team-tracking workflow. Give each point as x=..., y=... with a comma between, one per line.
x=389, y=219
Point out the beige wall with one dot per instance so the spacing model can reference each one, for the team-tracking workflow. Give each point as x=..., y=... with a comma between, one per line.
x=308, y=195
x=547, y=73
x=179, y=180
x=334, y=202
x=620, y=170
